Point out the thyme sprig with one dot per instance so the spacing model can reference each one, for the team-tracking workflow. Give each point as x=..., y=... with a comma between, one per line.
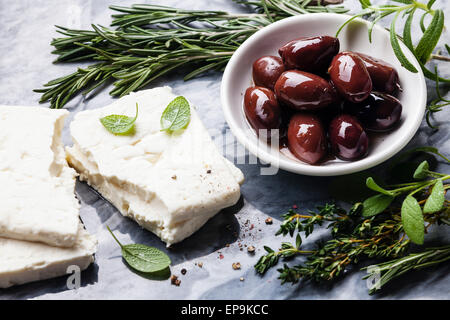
x=150, y=41
x=356, y=236
x=375, y=237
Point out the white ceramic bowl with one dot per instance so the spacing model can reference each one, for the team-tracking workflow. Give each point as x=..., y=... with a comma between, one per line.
x=238, y=77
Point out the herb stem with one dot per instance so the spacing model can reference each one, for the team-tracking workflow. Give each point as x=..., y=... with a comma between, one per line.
x=117, y=240
x=439, y=57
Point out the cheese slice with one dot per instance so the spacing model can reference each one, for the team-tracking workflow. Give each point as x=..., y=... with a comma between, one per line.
x=37, y=186
x=171, y=184
x=24, y=261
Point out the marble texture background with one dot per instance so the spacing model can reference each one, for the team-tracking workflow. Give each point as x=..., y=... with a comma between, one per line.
x=26, y=28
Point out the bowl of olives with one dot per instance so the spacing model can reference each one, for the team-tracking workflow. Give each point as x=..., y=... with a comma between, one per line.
x=308, y=102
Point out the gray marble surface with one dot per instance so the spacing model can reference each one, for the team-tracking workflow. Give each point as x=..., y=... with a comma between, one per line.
x=26, y=28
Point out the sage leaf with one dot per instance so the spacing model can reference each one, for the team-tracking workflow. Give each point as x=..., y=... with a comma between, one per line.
x=435, y=201
x=421, y=171
x=143, y=258
x=119, y=124
x=397, y=49
x=371, y=184
x=176, y=116
x=430, y=37
x=376, y=204
x=412, y=220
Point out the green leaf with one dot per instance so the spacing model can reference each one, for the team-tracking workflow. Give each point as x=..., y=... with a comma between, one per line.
x=176, y=116
x=376, y=204
x=435, y=201
x=421, y=171
x=298, y=241
x=412, y=219
x=430, y=37
x=143, y=258
x=371, y=184
x=378, y=18
x=430, y=3
x=407, y=31
x=422, y=21
x=397, y=49
x=448, y=48
x=119, y=124
x=365, y=3
x=268, y=249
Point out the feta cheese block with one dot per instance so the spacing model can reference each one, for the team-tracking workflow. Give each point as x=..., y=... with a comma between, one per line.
x=37, y=186
x=170, y=184
x=24, y=261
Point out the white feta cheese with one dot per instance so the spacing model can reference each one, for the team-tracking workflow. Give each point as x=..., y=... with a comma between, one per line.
x=37, y=186
x=24, y=261
x=171, y=184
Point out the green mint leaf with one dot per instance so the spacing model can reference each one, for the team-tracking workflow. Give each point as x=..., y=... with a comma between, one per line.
x=397, y=49
x=421, y=171
x=435, y=201
x=176, y=116
x=412, y=220
x=371, y=184
x=430, y=37
x=119, y=124
x=376, y=204
x=143, y=258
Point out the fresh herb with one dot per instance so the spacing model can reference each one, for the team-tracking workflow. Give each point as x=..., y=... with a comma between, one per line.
x=376, y=228
x=412, y=220
x=143, y=258
x=387, y=271
x=427, y=43
x=119, y=124
x=430, y=189
x=149, y=41
x=176, y=116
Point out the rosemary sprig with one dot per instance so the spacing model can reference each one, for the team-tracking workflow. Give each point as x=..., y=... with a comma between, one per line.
x=149, y=41
x=387, y=271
